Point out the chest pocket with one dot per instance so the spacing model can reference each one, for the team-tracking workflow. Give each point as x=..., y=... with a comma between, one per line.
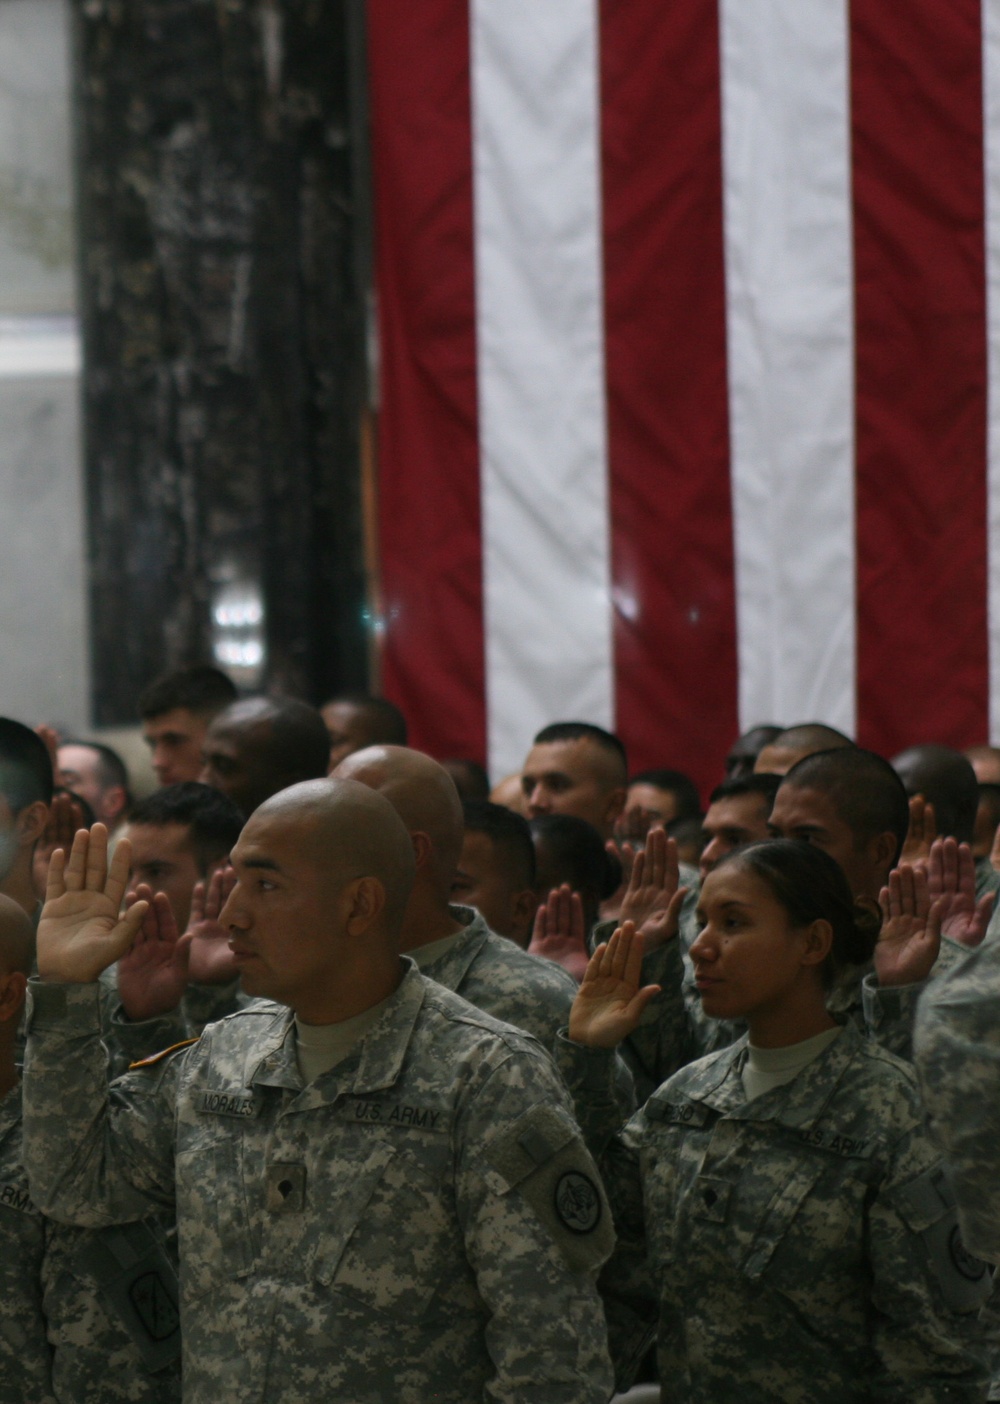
x=386, y=1242
x=216, y=1244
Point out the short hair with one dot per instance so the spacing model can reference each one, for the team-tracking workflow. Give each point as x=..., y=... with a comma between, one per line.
x=388, y=725
x=111, y=768
x=200, y=688
x=579, y=731
x=815, y=734
x=579, y=853
x=213, y=819
x=811, y=886
x=676, y=783
x=866, y=792
x=469, y=776
x=765, y=784
x=508, y=832
x=989, y=795
x=946, y=780
x=299, y=743
x=25, y=766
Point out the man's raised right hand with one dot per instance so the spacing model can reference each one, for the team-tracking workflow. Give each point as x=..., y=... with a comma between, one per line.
x=82, y=930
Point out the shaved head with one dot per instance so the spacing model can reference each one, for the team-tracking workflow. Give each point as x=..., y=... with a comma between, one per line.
x=795, y=743
x=347, y=830
x=422, y=793
x=17, y=939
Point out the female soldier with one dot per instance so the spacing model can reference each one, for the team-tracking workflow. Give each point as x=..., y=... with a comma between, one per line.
x=784, y=1223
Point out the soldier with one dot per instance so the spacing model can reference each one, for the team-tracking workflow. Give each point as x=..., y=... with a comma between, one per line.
x=452, y=944
x=786, y=1227
x=76, y=1305
x=957, y=1052
x=381, y=1193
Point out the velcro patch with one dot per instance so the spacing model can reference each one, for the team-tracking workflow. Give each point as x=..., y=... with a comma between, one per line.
x=837, y=1142
x=683, y=1113
x=16, y=1197
x=241, y=1104
x=542, y=1158
x=400, y=1114
x=927, y=1206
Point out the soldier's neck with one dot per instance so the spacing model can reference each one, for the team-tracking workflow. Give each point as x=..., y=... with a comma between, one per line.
x=19, y=884
x=428, y=918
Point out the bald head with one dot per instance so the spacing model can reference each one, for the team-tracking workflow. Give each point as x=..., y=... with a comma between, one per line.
x=946, y=780
x=795, y=743
x=261, y=745
x=346, y=830
x=423, y=795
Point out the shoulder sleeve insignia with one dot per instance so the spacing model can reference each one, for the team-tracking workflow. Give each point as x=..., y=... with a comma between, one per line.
x=164, y=1053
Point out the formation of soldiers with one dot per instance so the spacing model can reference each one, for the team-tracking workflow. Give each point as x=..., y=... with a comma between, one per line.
x=282, y=1121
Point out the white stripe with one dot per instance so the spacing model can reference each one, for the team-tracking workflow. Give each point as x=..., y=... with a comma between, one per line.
x=543, y=431
x=789, y=274
x=39, y=346
x=991, y=135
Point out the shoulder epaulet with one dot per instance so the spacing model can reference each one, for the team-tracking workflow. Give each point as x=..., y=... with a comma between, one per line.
x=163, y=1053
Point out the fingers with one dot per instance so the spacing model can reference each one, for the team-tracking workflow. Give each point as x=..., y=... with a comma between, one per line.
x=55, y=882
x=127, y=931
x=76, y=864
x=965, y=869
x=593, y=970
x=96, y=861
x=637, y=1004
x=636, y=875
x=576, y=926
x=116, y=877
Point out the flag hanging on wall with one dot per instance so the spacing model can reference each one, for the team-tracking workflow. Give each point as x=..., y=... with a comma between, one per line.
x=688, y=323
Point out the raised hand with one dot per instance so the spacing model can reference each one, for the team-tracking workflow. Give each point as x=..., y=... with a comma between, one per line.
x=610, y=1001
x=910, y=939
x=921, y=833
x=153, y=975
x=951, y=879
x=211, y=962
x=559, y=933
x=81, y=931
x=652, y=898
x=65, y=817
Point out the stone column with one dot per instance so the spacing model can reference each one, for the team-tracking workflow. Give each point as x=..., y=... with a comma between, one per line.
x=222, y=196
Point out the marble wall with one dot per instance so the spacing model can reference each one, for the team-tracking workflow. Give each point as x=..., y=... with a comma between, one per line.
x=43, y=613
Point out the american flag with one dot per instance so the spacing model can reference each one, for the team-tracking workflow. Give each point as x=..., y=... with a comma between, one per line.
x=689, y=317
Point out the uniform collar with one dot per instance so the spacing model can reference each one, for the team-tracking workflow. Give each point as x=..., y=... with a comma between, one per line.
x=374, y=1065
x=451, y=968
x=796, y=1104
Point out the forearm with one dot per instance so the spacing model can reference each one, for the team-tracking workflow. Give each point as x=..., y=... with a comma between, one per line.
x=83, y=1168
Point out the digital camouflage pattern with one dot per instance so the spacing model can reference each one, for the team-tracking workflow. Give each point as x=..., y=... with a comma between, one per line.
x=800, y=1247
x=498, y=977
x=421, y=1222
x=957, y=1054
x=61, y=1337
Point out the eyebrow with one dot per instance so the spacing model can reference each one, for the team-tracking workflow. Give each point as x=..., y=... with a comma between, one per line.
x=267, y=865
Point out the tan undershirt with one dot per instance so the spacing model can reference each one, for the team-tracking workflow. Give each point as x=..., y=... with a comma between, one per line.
x=320, y=1047
x=426, y=955
x=773, y=1067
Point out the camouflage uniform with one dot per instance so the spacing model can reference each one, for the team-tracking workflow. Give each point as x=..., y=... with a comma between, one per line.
x=957, y=1052
x=421, y=1222
x=799, y=1247
x=81, y=1318
x=498, y=977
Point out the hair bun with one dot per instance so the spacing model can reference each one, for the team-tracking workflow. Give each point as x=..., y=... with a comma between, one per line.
x=867, y=926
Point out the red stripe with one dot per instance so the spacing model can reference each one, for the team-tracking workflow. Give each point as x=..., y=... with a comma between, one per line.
x=429, y=523
x=921, y=372
x=672, y=532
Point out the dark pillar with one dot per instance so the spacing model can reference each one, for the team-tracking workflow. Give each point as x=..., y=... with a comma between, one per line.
x=223, y=222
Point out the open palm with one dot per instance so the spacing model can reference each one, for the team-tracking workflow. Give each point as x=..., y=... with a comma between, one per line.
x=82, y=931
x=611, y=1001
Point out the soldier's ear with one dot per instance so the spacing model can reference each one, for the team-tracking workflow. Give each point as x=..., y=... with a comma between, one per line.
x=30, y=823
x=365, y=899
x=12, y=988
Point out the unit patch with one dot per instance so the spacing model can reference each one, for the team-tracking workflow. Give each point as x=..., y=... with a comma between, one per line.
x=577, y=1202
